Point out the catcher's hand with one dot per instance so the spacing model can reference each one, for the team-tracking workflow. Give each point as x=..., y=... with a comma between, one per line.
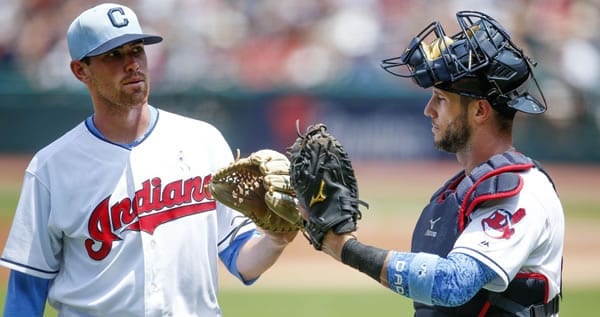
x=258, y=186
x=322, y=176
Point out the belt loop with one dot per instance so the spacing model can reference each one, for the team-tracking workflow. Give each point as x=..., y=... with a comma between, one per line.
x=548, y=309
x=538, y=311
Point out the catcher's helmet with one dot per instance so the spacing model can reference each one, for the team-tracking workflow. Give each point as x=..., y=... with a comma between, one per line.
x=480, y=61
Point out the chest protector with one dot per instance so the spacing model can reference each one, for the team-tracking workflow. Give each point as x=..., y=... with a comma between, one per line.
x=446, y=216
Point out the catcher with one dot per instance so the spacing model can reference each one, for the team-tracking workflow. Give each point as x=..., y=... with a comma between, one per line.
x=490, y=240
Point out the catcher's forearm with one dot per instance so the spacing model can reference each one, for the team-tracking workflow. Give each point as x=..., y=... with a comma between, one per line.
x=408, y=270
x=423, y=277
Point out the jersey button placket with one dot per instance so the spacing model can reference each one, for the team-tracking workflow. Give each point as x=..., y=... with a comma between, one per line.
x=155, y=300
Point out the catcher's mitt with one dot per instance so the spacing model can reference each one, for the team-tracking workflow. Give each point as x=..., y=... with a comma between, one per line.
x=258, y=186
x=322, y=176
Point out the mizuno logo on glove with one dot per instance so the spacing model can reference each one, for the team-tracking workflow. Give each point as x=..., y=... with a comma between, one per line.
x=320, y=196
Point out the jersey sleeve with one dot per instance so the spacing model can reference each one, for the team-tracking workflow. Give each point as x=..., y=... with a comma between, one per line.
x=32, y=247
x=502, y=235
x=231, y=223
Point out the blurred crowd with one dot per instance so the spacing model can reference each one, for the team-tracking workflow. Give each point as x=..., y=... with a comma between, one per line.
x=263, y=45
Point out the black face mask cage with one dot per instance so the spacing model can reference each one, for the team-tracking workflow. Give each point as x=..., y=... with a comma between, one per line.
x=449, y=58
x=414, y=62
x=482, y=42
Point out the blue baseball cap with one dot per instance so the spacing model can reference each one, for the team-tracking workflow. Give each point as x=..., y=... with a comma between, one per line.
x=103, y=28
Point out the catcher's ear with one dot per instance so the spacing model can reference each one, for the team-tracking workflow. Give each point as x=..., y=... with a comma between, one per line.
x=482, y=110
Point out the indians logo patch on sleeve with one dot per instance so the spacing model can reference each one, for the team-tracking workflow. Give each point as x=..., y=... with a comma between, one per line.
x=500, y=224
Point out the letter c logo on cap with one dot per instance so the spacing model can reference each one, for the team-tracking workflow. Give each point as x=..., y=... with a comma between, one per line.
x=117, y=17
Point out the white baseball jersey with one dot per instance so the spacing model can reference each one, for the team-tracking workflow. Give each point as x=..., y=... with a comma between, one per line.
x=523, y=233
x=126, y=232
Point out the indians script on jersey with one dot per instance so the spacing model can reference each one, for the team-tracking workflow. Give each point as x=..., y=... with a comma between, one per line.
x=153, y=205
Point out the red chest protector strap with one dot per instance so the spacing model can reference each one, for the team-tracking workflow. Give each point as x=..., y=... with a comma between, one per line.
x=494, y=179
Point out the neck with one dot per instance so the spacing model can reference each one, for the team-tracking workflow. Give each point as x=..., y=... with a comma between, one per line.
x=472, y=157
x=122, y=125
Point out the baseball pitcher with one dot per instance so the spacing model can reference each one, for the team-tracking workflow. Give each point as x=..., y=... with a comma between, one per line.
x=115, y=217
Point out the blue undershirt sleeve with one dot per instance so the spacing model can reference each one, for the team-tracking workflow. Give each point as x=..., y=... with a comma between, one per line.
x=26, y=295
x=432, y=280
x=230, y=254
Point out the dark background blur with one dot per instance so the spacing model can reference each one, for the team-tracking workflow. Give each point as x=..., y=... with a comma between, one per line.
x=254, y=67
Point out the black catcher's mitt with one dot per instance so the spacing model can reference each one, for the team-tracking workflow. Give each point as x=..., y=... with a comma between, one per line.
x=322, y=177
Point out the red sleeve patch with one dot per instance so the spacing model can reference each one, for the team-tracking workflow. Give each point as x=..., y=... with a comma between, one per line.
x=500, y=224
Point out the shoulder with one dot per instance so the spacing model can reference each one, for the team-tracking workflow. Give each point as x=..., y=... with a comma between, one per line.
x=538, y=189
x=536, y=196
x=64, y=143
x=536, y=178
x=196, y=135
x=178, y=121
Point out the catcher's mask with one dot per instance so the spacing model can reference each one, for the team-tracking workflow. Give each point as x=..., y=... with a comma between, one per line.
x=480, y=61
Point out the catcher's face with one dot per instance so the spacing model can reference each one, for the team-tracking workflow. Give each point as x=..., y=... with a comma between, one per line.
x=118, y=77
x=449, y=121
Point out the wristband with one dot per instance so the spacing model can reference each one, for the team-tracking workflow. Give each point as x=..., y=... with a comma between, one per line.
x=367, y=259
